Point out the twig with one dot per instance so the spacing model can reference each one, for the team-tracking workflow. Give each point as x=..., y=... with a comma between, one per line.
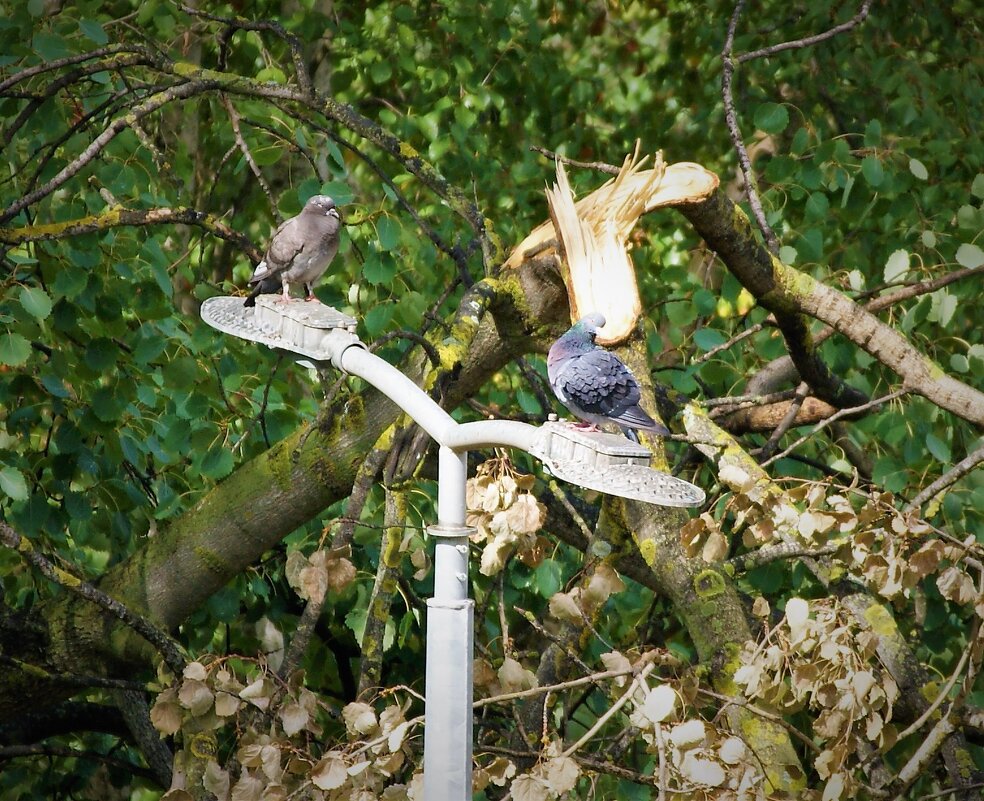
x=729, y=344
x=116, y=217
x=837, y=416
x=733, y=404
x=156, y=101
x=15, y=751
x=454, y=252
x=248, y=155
x=809, y=41
x=663, y=767
x=787, y=421
x=531, y=619
x=535, y=380
x=603, y=719
x=783, y=550
x=913, y=727
x=778, y=719
x=412, y=336
x=71, y=679
x=558, y=492
x=240, y=23
x=945, y=726
x=600, y=166
x=958, y=471
x=68, y=61
x=955, y=791
x=161, y=640
x=731, y=118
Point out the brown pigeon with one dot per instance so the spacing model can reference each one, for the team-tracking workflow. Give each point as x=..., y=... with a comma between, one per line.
x=300, y=251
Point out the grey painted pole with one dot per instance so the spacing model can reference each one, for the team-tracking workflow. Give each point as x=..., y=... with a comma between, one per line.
x=450, y=629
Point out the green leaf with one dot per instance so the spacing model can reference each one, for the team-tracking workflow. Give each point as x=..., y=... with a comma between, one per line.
x=970, y=256
x=788, y=254
x=817, y=206
x=705, y=301
x=937, y=447
x=708, y=338
x=800, y=142
x=36, y=302
x=810, y=245
x=336, y=155
x=70, y=281
x=871, y=168
x=379, y=268
x=528, y=402
x=771, y=118
x=378, y=318
x=101, y=354
x=873, y=134
x=94, y=31
x=970, y=218
x=680, y=313
x=54, y=385
x=13, y=484
x=917, y=168
x=218, y=462
x=960, y=363
x=388, y=231
x=267, y=154
x=897, y=266
x=977, y=187
x=107, y=405
x=928, y=238
x=14, y=349
x=380, y=71
x=549, y=577
x=271, y=75
x=340, y=192
x=943, y=306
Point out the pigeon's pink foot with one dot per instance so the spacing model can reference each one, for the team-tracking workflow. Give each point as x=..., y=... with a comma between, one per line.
x=309, y=298
x=282, y=299
x=582, y=426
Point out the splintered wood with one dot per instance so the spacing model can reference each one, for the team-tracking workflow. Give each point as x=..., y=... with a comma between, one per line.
x=590, y=237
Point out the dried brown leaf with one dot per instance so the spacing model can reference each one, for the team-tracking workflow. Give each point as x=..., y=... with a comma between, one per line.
x=166, y=713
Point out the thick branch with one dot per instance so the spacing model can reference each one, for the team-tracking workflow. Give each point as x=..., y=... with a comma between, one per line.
x=117, y=216
x=789, y=293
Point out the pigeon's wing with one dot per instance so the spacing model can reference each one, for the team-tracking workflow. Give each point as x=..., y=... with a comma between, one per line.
x=286, y=244
x=599, y=383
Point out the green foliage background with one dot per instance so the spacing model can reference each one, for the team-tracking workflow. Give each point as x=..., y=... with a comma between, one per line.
x=120, y=409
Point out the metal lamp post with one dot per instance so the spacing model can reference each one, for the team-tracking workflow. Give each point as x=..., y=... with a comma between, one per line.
x=598, y=461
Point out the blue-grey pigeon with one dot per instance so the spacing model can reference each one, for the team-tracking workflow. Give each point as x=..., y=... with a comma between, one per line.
x=594, y=383
x=300, y=250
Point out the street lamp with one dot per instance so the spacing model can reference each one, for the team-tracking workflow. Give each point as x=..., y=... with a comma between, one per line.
x=595, y=460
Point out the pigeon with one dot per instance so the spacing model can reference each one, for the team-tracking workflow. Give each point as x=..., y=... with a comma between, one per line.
x=300, y=251
x=595, y=384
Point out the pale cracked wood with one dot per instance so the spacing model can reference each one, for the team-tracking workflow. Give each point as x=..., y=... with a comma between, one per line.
x=590, y=236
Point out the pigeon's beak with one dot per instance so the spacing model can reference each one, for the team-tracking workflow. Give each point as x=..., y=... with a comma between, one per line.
x=333, y=212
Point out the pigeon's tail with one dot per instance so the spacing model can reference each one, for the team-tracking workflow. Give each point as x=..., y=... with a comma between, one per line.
x=251, y=298
x=266, y=286
x=656, y=428
x=637, y=418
